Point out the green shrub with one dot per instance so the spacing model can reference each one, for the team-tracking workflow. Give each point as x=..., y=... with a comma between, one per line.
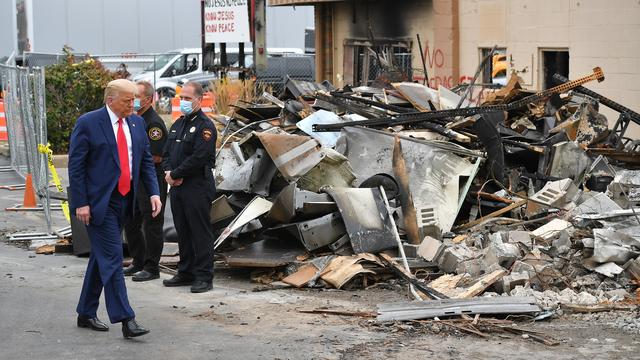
x=72, y=89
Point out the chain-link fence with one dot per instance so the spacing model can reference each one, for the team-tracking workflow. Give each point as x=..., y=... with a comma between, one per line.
x=297, y=67
x=45, y=59
x=24, y=99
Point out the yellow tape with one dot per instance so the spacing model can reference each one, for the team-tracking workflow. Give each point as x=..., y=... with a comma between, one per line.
x=46, y=149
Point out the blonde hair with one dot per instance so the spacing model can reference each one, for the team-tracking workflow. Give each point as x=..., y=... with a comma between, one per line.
x=116, y=87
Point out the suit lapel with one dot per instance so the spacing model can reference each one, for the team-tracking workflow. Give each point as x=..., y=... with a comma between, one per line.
x=107, y=129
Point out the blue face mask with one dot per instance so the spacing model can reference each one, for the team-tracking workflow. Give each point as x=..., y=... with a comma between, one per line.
x=186, y=107
x=136, y=104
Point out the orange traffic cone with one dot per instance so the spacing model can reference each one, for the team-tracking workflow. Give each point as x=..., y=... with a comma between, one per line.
x=29, y=200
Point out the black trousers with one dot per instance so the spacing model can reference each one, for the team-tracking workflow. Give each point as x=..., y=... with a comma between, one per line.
x=190, y=204
x=144, y=232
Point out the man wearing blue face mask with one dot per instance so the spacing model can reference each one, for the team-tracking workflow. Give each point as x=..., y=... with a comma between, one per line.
x=188, y=159
x=144, y=232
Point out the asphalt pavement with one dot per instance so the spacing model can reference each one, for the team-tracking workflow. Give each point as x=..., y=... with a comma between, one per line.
x=39, y=293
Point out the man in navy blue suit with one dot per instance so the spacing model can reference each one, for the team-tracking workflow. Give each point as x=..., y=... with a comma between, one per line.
x=108, y=157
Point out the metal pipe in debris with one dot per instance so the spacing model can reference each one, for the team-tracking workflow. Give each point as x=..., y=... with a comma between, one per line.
x=424, y=64
x=396, y=236
x=483, y=63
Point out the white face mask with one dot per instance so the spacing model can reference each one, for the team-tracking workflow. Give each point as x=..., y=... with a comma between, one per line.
x=186, y=107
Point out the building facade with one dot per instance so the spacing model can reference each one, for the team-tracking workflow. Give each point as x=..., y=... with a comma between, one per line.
x=534, y=38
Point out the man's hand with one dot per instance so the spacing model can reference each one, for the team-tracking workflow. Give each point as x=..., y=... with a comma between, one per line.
x=84, y=214
x=156, y=205
x=157, y=159
x=168, y=178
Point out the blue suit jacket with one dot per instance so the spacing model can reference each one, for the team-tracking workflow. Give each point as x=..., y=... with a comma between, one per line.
x=94, y=166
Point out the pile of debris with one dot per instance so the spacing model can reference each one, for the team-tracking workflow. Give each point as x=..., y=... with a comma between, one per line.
x=527, y=194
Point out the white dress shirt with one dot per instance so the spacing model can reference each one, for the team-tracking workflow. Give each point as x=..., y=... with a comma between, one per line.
x=125, y=127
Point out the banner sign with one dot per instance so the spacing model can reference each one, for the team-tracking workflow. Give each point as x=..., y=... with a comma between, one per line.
x=226, y=21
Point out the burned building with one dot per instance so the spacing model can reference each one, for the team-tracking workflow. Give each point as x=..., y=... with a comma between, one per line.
x=535, y=39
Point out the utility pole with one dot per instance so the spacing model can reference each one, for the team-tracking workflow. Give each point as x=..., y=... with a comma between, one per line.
x=260, y=39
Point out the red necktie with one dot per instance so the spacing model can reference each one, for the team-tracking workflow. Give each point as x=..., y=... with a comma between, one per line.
x=124, y=183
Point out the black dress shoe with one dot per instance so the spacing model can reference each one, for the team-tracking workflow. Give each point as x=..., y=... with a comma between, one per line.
x=130, y=328
x=178, y=280
x=200, y=286
x=145, y=275
x=130, y=270
x=92, y=323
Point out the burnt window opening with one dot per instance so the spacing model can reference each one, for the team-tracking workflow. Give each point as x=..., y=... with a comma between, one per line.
x=371, y=62
x=495, y=72
x=553, y=61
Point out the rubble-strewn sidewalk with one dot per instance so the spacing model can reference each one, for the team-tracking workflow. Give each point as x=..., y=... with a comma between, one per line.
x=527, y=194
x=38, y=294
x=524, y=207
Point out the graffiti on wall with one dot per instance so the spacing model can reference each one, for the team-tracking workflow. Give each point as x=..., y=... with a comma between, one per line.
x=435, y=60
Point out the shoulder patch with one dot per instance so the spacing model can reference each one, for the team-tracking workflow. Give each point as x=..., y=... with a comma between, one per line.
x=155, y=133
x=207, y=134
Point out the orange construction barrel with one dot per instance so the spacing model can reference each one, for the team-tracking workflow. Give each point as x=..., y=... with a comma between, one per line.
x=175, y=108
x=3, y=123
x=208, y=103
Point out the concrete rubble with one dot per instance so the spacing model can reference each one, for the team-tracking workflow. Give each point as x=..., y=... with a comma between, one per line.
x=536, y=191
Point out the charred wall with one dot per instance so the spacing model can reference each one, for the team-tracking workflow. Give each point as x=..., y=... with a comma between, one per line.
x=387, y=18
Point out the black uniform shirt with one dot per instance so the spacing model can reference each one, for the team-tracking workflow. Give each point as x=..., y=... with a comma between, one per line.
x=156, y=131
x=191, y=147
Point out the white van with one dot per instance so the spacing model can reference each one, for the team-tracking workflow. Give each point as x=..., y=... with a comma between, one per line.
x=174, y=66
x=169, y=67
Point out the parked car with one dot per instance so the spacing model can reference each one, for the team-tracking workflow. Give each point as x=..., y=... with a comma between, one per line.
x=168, y=68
